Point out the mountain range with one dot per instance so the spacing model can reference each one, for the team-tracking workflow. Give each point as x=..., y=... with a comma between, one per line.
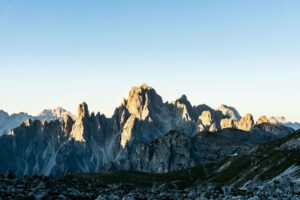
x=144, y=134
x=281, y=120
x=8, y=122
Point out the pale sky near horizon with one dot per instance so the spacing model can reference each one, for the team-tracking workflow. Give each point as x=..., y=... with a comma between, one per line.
x=60, y=53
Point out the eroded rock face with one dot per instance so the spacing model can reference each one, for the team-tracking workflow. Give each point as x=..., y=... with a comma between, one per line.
x=176, y=150
x=262, y=119
x=209, y=120
x=35, y=147
x=68, y=124
x=173, y=151
x=246, y=123
x=81, y=125
x=143, y=100
x=50, y=148
x=274, y=129
x=149, y=118
x=230, y=112
x=121, y=115
x=213, y=128
x=127, y=131
x=169, y=153
x=184, y=109
x=227, y=123
x=206, y=118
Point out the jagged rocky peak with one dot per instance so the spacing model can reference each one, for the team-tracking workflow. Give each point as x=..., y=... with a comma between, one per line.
x=3, y=115
x=282, y=119
x=278, y=120
x=230, y=112
x=56, y=113
x=206, y=118
x=81, y=122
x=184, y=100
x=246, y=123
x=123, y=103
x=143, y=100
x=207, y=121
x=28, y=122
x=68, y=123
x=262, y=119
x=121, y=114
x=148, y=117
x=185, y=108
x=83, y=111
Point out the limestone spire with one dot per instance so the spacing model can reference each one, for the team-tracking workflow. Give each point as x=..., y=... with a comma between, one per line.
x=79, y=129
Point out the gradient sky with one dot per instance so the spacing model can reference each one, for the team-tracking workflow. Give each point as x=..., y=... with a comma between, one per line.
x=242, y=53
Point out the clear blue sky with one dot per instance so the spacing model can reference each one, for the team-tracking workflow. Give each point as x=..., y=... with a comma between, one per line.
x=242, y=53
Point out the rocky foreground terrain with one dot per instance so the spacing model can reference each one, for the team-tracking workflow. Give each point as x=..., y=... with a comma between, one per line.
x=46, y=188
